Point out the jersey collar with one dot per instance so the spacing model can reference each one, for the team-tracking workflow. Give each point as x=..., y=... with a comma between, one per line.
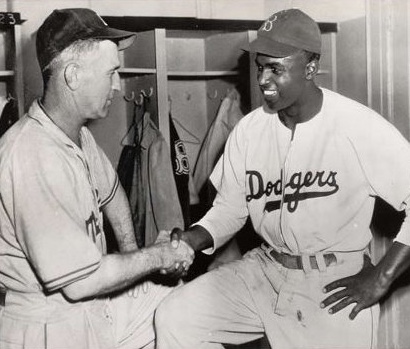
x=38, y=113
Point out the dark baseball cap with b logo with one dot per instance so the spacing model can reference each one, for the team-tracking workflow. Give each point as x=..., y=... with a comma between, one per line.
x=63, y=27
x=286, y=32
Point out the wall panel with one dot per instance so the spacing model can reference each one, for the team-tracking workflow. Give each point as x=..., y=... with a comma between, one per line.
x=388, y=93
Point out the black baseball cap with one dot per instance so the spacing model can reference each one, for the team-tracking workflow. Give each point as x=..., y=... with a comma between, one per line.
x=286, y=32
x=63, y=27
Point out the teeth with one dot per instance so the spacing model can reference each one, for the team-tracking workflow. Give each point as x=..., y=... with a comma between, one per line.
x=270, y=93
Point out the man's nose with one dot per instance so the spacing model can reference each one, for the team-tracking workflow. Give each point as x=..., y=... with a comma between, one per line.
x=116, y=83
x=264, y=77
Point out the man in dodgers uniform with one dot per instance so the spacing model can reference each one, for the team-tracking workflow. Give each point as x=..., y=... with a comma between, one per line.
x=306, y=167
x=55, y=183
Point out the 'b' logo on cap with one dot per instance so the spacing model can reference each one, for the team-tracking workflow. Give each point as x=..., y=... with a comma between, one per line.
x=102, y=20
x=268, y=25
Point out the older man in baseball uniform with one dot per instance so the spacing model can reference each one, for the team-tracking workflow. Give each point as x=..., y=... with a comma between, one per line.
x=306, y=168
x=56, y=279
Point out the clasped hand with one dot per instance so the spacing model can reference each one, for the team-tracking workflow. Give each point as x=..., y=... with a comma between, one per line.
x=177, y=256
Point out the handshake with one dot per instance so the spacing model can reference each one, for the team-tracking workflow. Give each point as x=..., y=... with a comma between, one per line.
x=175, y=256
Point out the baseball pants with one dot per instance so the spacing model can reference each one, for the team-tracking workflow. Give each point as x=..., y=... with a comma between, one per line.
x=242, y=300
x=123, y=322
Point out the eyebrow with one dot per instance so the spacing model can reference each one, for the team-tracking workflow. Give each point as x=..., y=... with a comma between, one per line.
x=269, y=64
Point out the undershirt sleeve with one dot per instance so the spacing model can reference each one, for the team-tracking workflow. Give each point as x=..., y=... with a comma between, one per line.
x=403, y=235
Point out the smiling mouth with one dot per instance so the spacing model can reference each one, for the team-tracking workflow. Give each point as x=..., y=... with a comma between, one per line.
x=270, y=93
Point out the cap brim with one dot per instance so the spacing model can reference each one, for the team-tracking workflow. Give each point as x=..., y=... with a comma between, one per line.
x=270, y=47
x=123, y=38
x=126, y=42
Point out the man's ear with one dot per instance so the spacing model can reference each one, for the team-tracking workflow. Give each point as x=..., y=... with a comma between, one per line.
x=72, y=75
x=312, y=69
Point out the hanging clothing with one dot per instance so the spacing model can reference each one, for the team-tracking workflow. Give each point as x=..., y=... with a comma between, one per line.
x=8, y=112
x=163, y=211
x=229, y=113
x=3, y=101
x=152, y=191
x=180, y=166
x=130, y=175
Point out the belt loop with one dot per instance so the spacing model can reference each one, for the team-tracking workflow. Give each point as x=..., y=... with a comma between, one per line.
x=307, y=267
x=266, y=248
x=321, y=263
x=3, y=293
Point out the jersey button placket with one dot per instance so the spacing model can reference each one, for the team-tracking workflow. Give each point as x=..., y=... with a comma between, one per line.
x=285, y=175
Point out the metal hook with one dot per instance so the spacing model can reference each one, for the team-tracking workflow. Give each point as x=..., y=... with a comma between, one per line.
x=140, y=102
x=169, y=102
x=131, y=98
x=151, y=92
x=10, y=97
x=214, y=96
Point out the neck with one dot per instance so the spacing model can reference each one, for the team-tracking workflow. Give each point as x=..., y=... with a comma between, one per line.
x=63, y=117
x=306, y=108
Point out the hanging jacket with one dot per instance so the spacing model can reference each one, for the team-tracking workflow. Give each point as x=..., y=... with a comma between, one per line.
x=180, y=166
x=130, y=175
x=9, y=114
x=146, y=170
x=163, y=211
x=229, y=113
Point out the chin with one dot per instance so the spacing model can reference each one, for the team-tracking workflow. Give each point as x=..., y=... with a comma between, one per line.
x=102, y=114
x=270, y=107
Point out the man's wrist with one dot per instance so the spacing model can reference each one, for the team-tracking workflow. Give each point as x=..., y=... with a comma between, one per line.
x=153, y=257
x=185, y=237
x=386, y=277
x=197, y=237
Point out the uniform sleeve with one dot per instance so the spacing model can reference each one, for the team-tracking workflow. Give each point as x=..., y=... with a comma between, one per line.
x=48, y=220
x=103, y=171
x=385, y=158
x=229, y=211
x=107, y=178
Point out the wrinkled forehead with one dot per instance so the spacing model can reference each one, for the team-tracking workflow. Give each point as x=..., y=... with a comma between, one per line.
x=104, y=52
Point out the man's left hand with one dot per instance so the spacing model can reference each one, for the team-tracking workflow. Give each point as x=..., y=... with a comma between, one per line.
x=179, y=270
x=365, y=289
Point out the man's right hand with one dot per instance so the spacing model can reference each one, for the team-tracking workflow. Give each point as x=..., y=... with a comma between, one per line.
x=176, y=236
x=176, y=255
x=196, y=238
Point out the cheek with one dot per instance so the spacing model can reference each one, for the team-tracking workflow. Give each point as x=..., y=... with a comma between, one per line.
x=291, y=84
x=102, y=90
x=284, y=86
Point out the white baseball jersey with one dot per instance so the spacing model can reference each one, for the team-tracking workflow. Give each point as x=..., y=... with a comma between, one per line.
x=51, y=193
x=313, y=191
